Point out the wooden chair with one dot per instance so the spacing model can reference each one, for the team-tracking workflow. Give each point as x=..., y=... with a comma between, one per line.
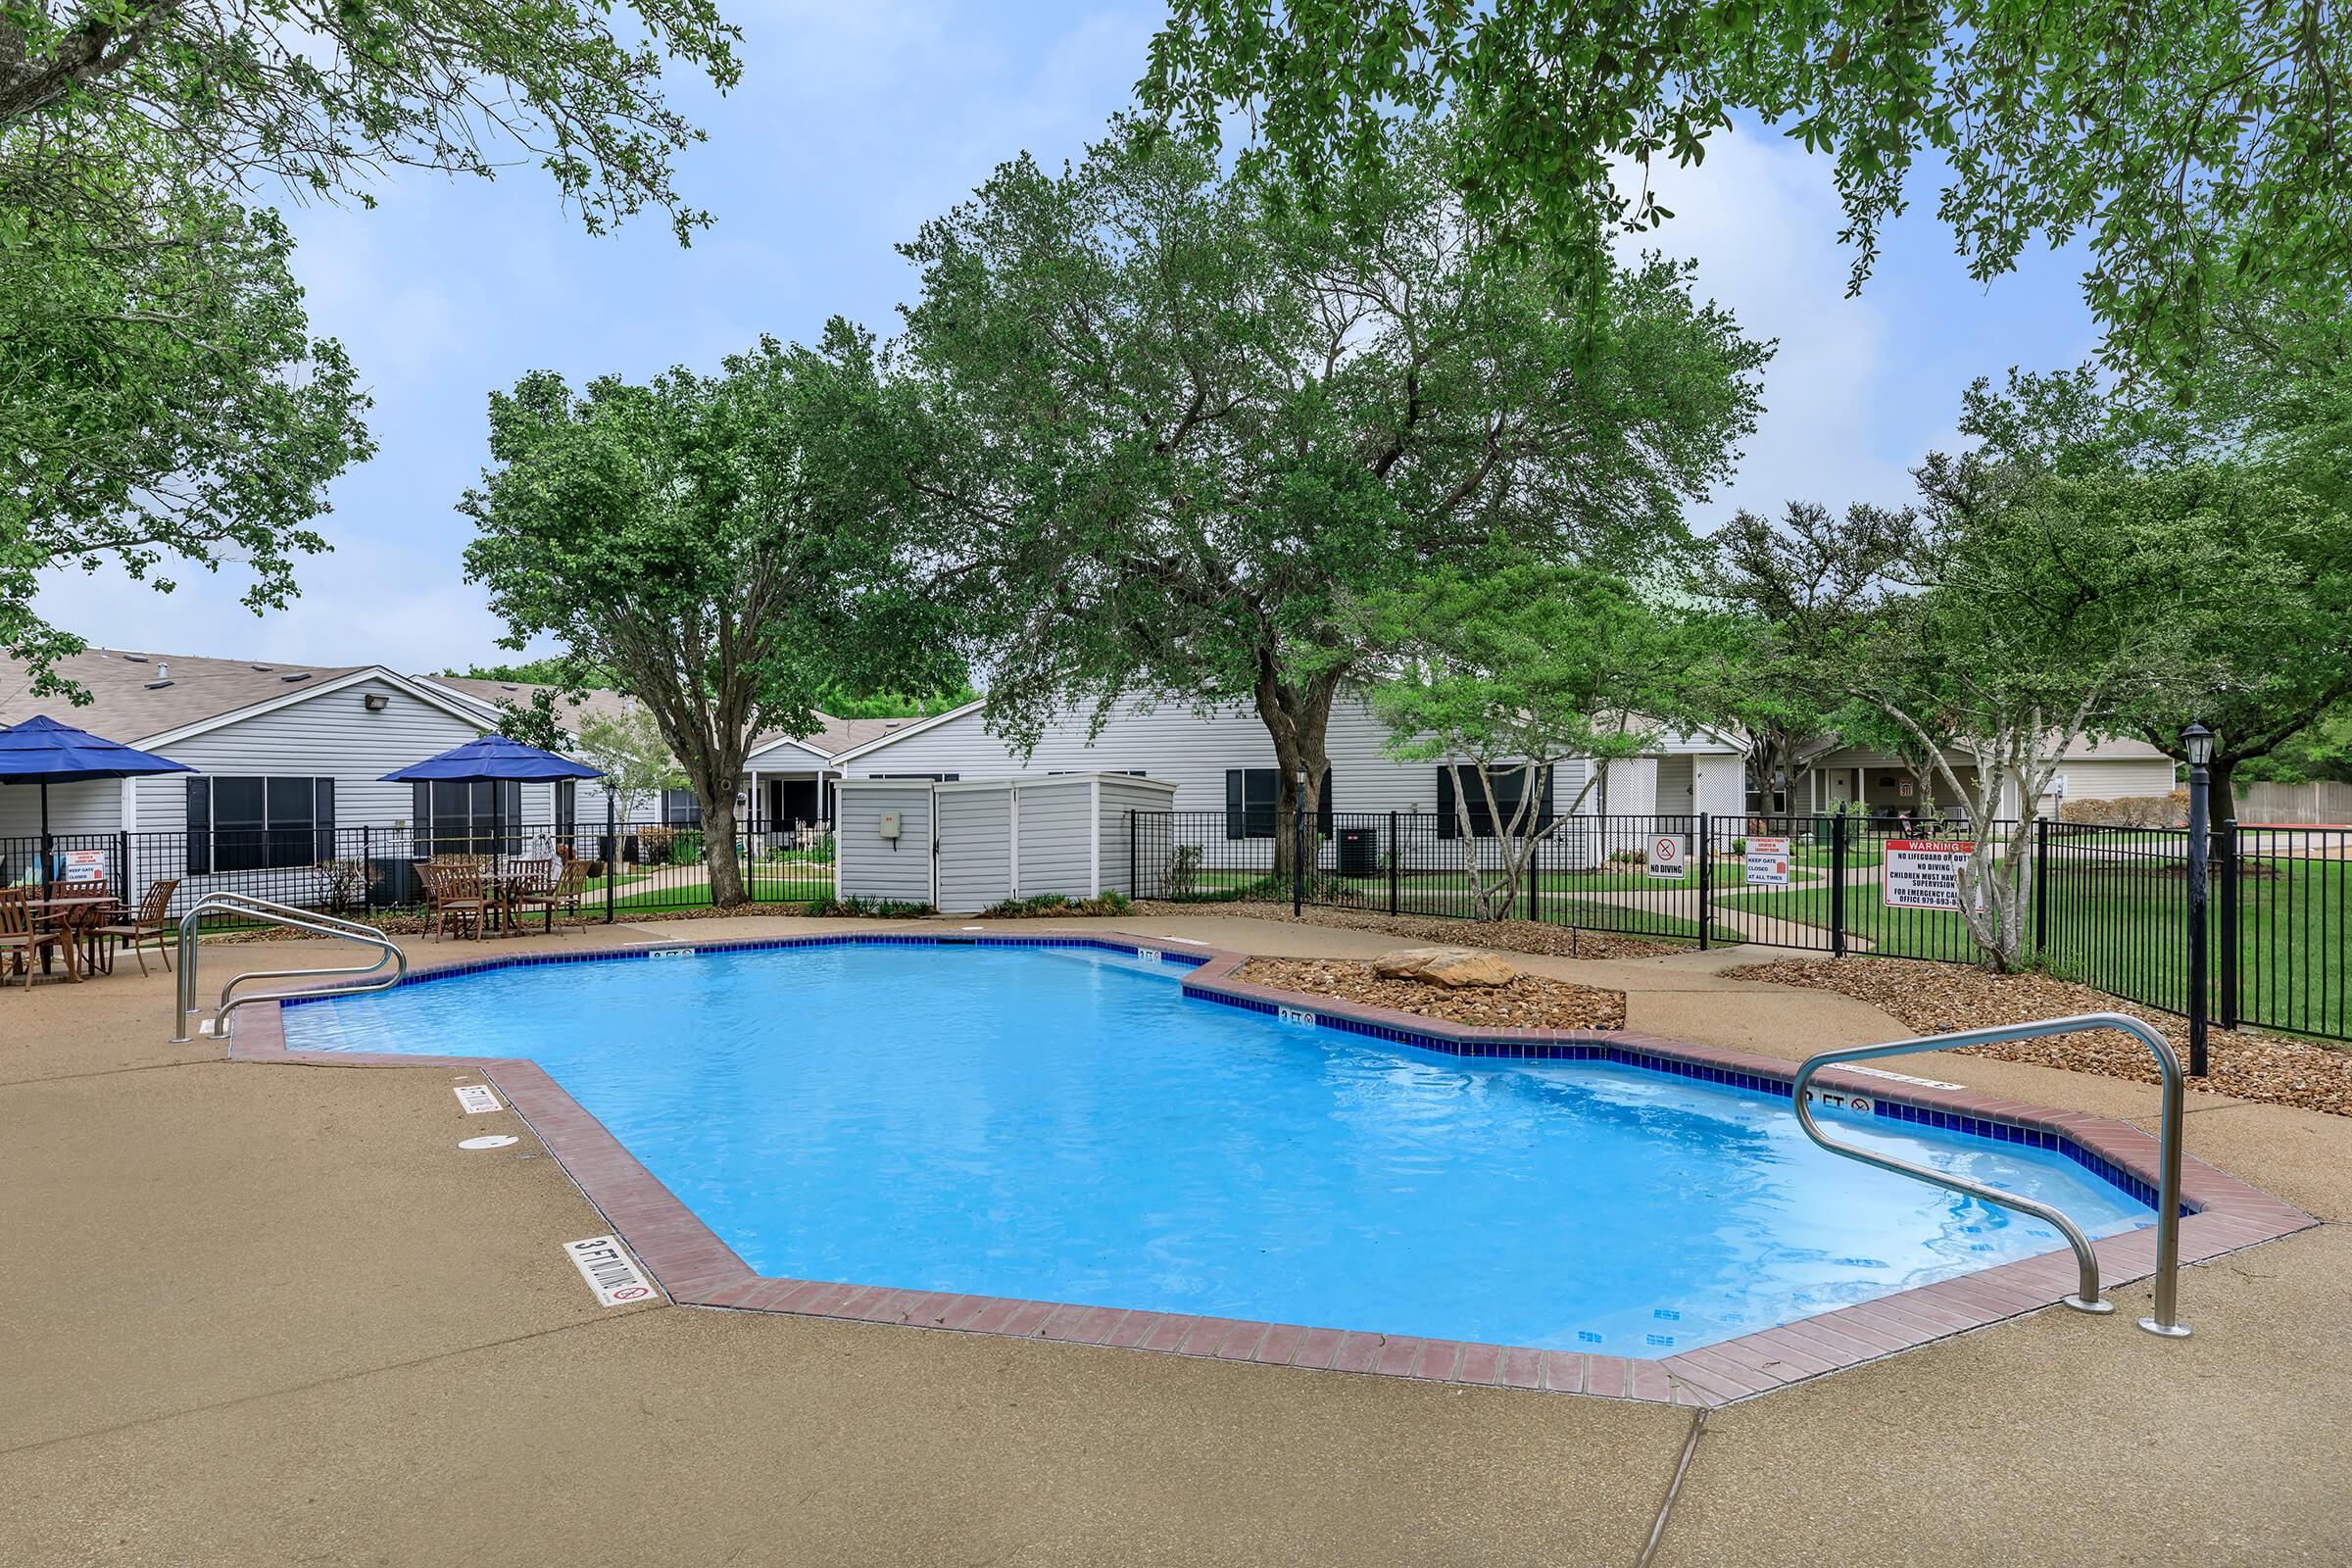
x=536, y=887
x=572, y=887
x=464, y=898
x=20, y=938
x=152, y=923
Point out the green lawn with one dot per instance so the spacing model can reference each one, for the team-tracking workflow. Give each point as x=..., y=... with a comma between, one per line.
x=663, y=887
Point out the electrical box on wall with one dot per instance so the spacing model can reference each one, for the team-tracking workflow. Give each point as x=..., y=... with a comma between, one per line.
x=888, y=825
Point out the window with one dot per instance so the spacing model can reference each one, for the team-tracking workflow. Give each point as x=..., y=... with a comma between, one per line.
x=1510, y=783
x=259, y=824
x=466, y=816
x=681, y=809
x=568, y=808
x=1251, y=802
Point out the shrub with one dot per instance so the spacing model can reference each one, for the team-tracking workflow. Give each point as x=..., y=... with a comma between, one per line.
x=655, y=843
x=1182, y=877
x=2131, y=811
x=857, y=907
x=1054, y=904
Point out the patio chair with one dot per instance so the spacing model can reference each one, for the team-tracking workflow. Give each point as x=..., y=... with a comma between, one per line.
x=464, y=898
x=152, y=923
x=572, y=887
x=534, y=887
x=20, y=938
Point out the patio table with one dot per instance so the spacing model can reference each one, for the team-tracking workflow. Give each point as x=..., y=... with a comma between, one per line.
x=76, y=917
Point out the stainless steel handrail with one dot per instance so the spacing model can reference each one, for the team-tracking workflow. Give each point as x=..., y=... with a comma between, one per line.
x=286, y=914
x=2166, y=1320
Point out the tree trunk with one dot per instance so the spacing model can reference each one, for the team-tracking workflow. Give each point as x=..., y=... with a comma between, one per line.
x=1298, y=718
x=718, y=843
x=2223, y=800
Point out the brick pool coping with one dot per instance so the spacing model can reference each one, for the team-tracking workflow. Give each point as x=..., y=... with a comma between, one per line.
x=695, y=1268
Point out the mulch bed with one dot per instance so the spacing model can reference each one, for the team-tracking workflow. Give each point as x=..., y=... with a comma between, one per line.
x=1940, y=998
x=1506, y=936
x=1531, y=1002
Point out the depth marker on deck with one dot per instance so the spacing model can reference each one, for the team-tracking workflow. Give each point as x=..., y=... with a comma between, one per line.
x=608, y=1270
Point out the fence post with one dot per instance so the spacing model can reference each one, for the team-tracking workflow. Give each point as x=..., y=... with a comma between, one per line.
x=1298, y=852
x=2041, y=885
x=122, y=866
x=1837, y=885
x=1395, y=857
x=1135, y=869
x=1706, y=872
x=366, y=870
x=2224, y=841
x=612, y=855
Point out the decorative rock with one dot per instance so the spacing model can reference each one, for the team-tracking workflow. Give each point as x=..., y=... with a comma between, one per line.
x=1450, y=967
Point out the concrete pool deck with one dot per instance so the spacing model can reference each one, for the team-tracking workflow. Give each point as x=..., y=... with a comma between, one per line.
x=263, y=1315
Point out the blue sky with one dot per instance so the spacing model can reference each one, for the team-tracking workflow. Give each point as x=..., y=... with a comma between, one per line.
x=852, y=125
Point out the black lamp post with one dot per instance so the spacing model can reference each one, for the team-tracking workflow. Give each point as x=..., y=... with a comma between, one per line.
x=2197, y=742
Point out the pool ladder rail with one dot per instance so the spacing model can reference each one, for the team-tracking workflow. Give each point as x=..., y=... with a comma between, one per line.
x=389, y=966
x=2165, y=1320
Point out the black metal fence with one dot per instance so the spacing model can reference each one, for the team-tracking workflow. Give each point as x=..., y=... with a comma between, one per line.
x=633, y=868
x=2114, y=914
x=2108, y=907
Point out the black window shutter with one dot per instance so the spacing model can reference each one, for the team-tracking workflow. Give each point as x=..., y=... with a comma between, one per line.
x=1545, y=818
x=323, y=812
x=1323, y=807
x=1235, y=824
x=1447, y=826
x=421, y=820
x=200, y=826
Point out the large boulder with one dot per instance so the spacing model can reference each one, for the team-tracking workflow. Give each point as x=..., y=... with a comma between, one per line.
x=1452, y=967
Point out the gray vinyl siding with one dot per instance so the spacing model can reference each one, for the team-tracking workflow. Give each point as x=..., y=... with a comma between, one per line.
x=867, y=865
x=975, y=839
x=1058, y=838
x=1120, y=797
x=331, y=735
x=84, y=806
x=1173, y=745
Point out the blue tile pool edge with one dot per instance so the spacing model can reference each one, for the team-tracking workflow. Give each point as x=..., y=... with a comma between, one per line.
x=1592, y=1044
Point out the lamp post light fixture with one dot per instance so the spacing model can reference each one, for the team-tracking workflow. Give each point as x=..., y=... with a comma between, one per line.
x=2197, y=742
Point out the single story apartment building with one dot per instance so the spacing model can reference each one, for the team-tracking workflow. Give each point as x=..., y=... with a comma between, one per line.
x=1834, y=776
x=1221, y=763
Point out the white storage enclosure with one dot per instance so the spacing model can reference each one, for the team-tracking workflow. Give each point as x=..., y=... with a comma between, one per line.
x=964, y=845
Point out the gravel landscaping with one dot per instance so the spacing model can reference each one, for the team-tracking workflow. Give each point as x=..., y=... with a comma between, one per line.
x=1506, y=936
x=1531, y=1002
x=1939, y=998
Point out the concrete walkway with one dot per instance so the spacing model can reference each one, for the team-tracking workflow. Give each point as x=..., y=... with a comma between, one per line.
x=271, y=1314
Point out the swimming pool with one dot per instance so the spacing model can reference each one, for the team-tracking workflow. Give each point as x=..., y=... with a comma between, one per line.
x=1063, y=1124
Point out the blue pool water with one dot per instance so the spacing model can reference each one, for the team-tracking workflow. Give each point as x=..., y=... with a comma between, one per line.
x=1064, y=1125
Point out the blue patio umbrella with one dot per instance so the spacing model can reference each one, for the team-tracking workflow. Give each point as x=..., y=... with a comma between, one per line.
x=492, y=759
x=43, y=751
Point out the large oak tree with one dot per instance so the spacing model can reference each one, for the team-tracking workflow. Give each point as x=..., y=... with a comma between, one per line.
x=1181, y=419
x=161, y=401
x=706, y=540
x=2194, y=143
